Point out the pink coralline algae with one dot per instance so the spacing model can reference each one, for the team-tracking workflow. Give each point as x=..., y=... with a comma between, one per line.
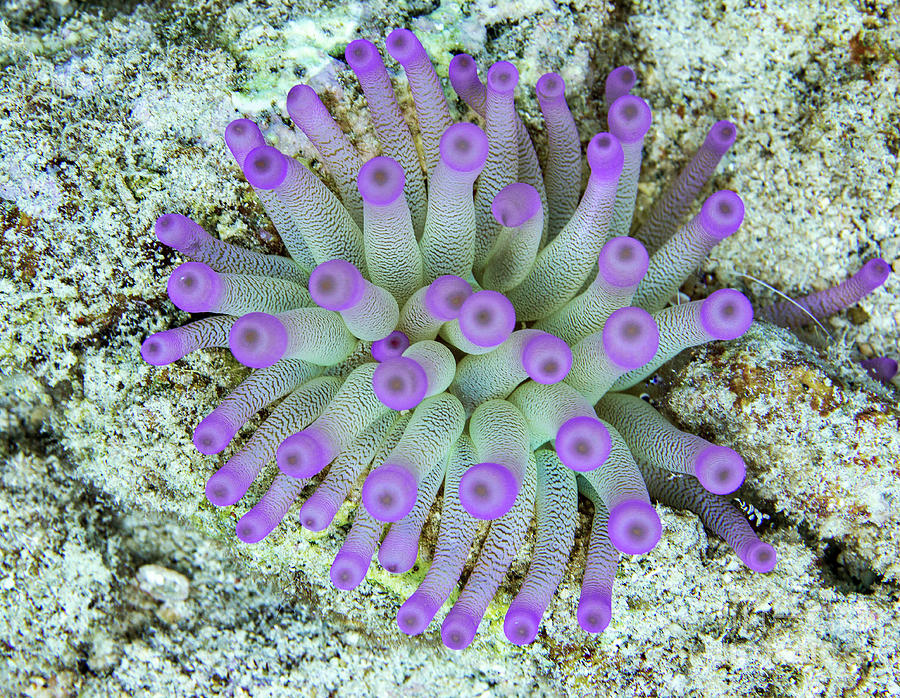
x=456, y=316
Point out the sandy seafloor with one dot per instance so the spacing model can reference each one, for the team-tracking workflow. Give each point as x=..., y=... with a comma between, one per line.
x=117, y=578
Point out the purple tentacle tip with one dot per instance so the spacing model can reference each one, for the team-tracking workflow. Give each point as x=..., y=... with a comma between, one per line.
x=630, y=337
x=161, y=349
x=381, y=181
x=336, y=285
x=195, y=288
x=391, y=346
x=550, y=88
x=881, y=368
x=620, y=81
x=487, y=318
x=213, y=434
x=722, y=214
x=721, y=137
x=629, y=118
x=458, y=630
x=175, y=230
x=400, y=383
x=258, y=340
x=487, y=490
x=503, y=77
x=224, y=488
x=546, y=359
x=316, y=513
x=874, y=273
x=623, y=261
x=265, y=167
x=445, y=296
x=726, y=314
x=348, y=570
x=415, y=614
x=634, y=527
x=404, y=46
x=303, y=454
x=362, y=56
x=521, y=624
x=389, y=492
x=242, y=136
x=605, y=157
x=515, y=204
x=720, y=469
x=594, y=612
x=464, y=147
x=758, y=556
x=253, y=526
x=583, y=443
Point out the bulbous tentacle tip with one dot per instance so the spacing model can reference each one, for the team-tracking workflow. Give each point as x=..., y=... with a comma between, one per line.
x=398, y=559
x=546, y=359
x=317, y=513
x=551, y=89
x=391, y=346
x=362, y=56
x=583, y=443
x=265, y=167
x=721, y=137
x=258, y=340
x=400, y=383
x=515, y=204
x=629, y=118
x=336, y=285
x=381, y=181
x=389, y=492
x=195, y=288
x=161, y=349
x=726, y=314
x=348, y=570
x=464, y=147
x=622, y=79
x=874, y=272
x=302, y=454
x=445, y=296
x=881, y=368
x=630, y=338
x=458, y=630
x=634, y=527
x=487, y=490
x=623, y=261
x=521, y=624
x=462, y=68
x=722, y=214
x=242, y=135
x=503, y=77
x=719, y=469
x=487, y=318
x=213, y=434
x=301, y=98
x=223, y=489
x=415, y=614
x=759, y=556
x=253, y=527
x=594, y=612
x=605, y=157
x=175, y=230
x=404, y=46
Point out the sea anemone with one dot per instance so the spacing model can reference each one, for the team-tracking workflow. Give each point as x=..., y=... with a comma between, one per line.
x=455, y=317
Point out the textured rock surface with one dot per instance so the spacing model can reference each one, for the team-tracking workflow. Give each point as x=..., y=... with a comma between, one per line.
x=112, y=115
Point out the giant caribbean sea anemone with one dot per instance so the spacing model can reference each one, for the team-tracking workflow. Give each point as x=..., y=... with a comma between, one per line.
x=456, y=317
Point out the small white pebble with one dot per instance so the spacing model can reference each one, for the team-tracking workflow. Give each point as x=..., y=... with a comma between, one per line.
x=162, y=583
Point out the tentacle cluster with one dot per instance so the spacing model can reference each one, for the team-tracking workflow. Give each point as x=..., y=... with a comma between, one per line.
x=458, y=318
